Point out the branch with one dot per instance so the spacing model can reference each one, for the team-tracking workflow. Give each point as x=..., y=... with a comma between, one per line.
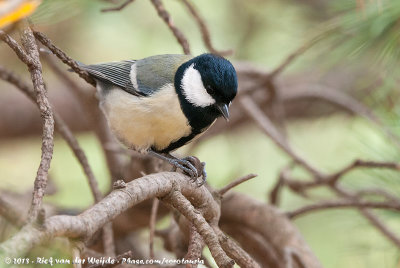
x=87, y=223
x=251, y=108
x=180, y=203
x=35, y=68
x=205, y=33
x=22, y=55
x=64, y=58
x=343, y=204
x=117, y=8
x=235, y=183
x=380, y=225
x=363, y=163
x=296, y=53
x=162, y=12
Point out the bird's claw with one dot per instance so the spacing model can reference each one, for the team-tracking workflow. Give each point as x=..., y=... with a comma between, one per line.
x=187, y=167
x=200, y=169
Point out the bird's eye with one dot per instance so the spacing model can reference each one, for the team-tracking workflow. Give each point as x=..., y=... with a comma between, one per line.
x=210, y=90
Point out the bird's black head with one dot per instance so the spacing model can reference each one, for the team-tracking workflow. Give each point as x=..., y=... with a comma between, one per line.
x=206, y=86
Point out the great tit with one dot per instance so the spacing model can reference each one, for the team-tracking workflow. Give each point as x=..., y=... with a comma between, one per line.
x=160, y=103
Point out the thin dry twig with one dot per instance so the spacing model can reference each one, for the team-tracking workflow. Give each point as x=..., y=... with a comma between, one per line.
x=251, y=108
x=235, y=183
x=205, y=33
x=22, y=55
x=343, y=204
x=180, y=37
x=295, y=54
x=35, y=68
x=64, y=57
x=363, y=163
x=117, y=8
x=153, y=219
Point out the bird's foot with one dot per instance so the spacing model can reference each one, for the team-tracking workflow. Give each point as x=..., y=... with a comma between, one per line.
x=190, y=165
x=200, y=169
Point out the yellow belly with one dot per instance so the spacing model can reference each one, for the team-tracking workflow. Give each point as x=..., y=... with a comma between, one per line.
x=144, y=122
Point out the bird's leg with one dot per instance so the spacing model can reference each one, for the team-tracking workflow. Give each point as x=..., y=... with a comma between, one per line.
x=183, y=164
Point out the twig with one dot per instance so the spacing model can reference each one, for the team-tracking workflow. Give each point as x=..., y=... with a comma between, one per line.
x=332, y=179
x=22, y=55
x=30, y=56
x=64, y=57
x=294, y=55
x=274, y=194
x=235, y=183
x=120, y=7
x=339, y=98
x=205, y=33
x=162, y=12
x=362, y=163
x=35, y=68
x=251, y=108
x=153, y=219
x=180, y=203
x=371, y=217
x=342, y=204
x=380, y=225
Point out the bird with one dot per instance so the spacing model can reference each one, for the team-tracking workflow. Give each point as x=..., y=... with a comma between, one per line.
x=157, y=104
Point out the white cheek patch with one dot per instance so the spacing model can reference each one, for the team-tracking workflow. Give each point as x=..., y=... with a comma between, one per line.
x=194, y=90
x=132, y=75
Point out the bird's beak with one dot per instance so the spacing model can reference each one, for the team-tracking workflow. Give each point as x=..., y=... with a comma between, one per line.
x=223, y=108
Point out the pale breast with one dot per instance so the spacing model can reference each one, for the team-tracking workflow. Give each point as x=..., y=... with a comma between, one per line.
x=144, y=122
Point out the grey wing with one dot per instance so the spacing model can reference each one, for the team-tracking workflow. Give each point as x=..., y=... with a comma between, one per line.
x=154, y=72
x=115, y=73
x=142, y=77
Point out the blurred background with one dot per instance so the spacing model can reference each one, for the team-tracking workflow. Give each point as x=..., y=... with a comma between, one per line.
x=356, y=52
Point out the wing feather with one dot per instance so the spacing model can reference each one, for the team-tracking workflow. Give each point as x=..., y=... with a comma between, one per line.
x=152, y=73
